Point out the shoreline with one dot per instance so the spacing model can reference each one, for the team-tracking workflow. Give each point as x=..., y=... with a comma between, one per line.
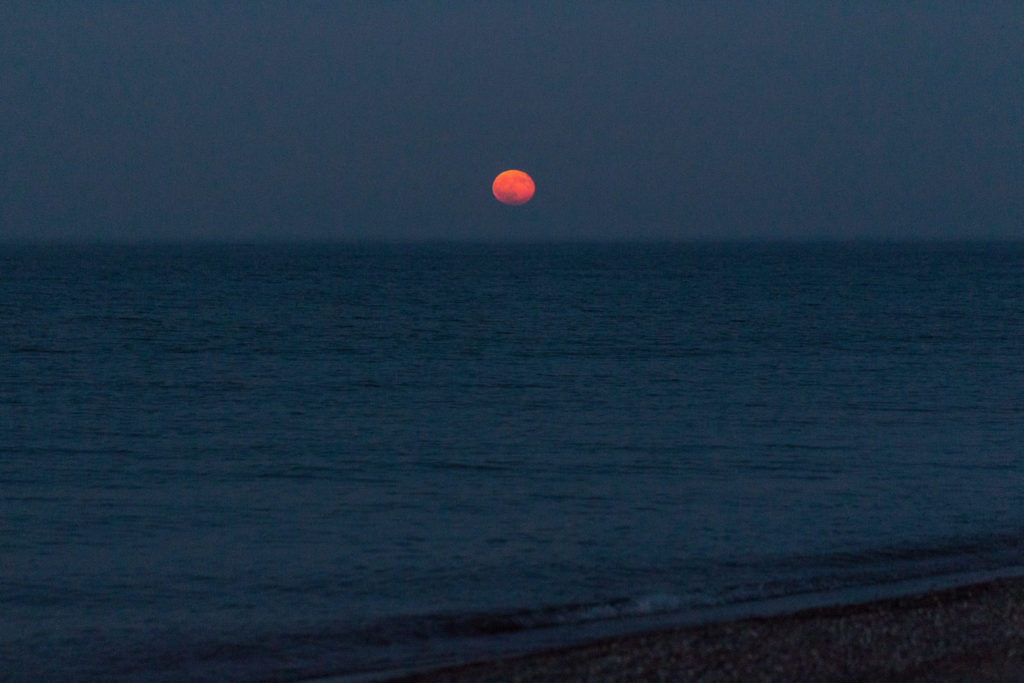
x=971, y=632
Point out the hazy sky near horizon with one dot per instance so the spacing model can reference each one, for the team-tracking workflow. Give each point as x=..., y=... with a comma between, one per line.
x=388, y=120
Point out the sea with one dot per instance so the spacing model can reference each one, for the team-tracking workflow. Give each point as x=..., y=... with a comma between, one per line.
x=284, y=462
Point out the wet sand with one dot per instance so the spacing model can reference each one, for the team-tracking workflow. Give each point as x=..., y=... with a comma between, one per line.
x=971, y=633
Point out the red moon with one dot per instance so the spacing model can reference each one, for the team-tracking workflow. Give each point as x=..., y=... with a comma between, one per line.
x=513, y=187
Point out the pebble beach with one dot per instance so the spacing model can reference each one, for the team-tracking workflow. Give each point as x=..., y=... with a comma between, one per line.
x=968, y=633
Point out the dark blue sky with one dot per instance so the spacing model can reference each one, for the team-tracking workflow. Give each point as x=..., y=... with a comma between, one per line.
x=379, y=120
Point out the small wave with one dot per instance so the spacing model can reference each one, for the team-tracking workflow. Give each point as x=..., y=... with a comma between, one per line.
x=345, y=648
x=41, y=350
x=475, y=624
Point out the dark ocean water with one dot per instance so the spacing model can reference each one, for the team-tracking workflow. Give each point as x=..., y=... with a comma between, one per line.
x=257, y=463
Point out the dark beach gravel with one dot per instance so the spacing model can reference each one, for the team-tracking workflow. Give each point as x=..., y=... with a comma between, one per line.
x=970, y=633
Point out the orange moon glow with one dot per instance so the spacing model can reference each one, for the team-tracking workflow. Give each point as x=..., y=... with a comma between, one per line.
x=513, y=187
